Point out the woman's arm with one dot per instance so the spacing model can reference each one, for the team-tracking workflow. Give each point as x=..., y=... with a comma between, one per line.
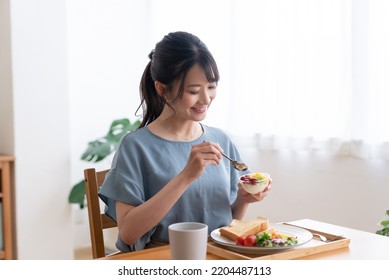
x=134, y=222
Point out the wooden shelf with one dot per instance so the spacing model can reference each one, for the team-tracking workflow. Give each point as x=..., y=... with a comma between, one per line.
x=6, y=169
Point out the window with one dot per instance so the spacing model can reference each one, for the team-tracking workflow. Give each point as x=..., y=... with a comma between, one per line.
x=298, y=74
x=295, y=74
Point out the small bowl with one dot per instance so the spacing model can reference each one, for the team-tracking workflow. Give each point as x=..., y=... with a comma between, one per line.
x=254, y=182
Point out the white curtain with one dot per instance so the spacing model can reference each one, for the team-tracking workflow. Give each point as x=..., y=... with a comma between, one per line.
x=303, y=74
x=295, y=74
x=375, y=127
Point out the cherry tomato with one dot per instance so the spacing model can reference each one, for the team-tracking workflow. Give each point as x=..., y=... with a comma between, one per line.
x=239, y=240
x=250, y=240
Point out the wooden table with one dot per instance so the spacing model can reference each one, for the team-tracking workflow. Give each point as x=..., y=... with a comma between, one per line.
x=363, y=246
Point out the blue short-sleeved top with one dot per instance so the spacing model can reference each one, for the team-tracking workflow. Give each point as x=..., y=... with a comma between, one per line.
x=144, y=163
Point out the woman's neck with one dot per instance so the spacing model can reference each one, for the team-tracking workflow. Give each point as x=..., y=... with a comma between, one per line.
x=174, y=130
x=184, y=131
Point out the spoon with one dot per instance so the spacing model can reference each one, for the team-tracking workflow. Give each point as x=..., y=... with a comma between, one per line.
x=238, y=165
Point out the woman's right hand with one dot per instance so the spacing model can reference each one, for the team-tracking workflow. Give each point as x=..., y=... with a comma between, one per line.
x=202, y=155
x=136, y=221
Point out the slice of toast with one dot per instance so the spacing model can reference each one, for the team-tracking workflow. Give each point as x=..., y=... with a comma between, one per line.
x=243, y=228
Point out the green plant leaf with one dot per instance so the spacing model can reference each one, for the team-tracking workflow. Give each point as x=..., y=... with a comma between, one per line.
x=77, y=194
x=384, y=232
x=385, y=223
x=98, y=150
x=102, y=147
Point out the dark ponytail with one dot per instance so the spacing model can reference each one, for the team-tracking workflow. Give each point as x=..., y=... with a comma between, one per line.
x=170, y=61
x=151, y=102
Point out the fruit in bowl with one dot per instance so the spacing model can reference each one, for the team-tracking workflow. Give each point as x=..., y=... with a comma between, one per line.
x=254, y=182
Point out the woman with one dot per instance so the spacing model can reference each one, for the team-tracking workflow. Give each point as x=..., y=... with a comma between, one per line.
x=171, y=169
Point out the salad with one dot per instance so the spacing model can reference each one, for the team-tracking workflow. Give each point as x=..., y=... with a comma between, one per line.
x=267, y=239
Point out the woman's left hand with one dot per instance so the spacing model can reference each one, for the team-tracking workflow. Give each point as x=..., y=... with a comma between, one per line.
x=250, y=198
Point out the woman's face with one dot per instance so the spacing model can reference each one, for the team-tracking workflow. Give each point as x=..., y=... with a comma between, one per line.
x=197, y=96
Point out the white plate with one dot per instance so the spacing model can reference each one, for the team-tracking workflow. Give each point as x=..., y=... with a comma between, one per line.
x=302, y=235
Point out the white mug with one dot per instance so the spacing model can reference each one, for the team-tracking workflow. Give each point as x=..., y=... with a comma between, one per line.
x=188, y=241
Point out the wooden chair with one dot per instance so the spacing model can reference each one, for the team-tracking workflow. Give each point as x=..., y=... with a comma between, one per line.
x=97, y=221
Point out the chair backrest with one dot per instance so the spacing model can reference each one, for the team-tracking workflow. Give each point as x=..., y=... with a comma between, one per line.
x=97, y=221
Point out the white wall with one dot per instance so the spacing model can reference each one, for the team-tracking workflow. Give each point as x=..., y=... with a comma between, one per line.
x=40, y=124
